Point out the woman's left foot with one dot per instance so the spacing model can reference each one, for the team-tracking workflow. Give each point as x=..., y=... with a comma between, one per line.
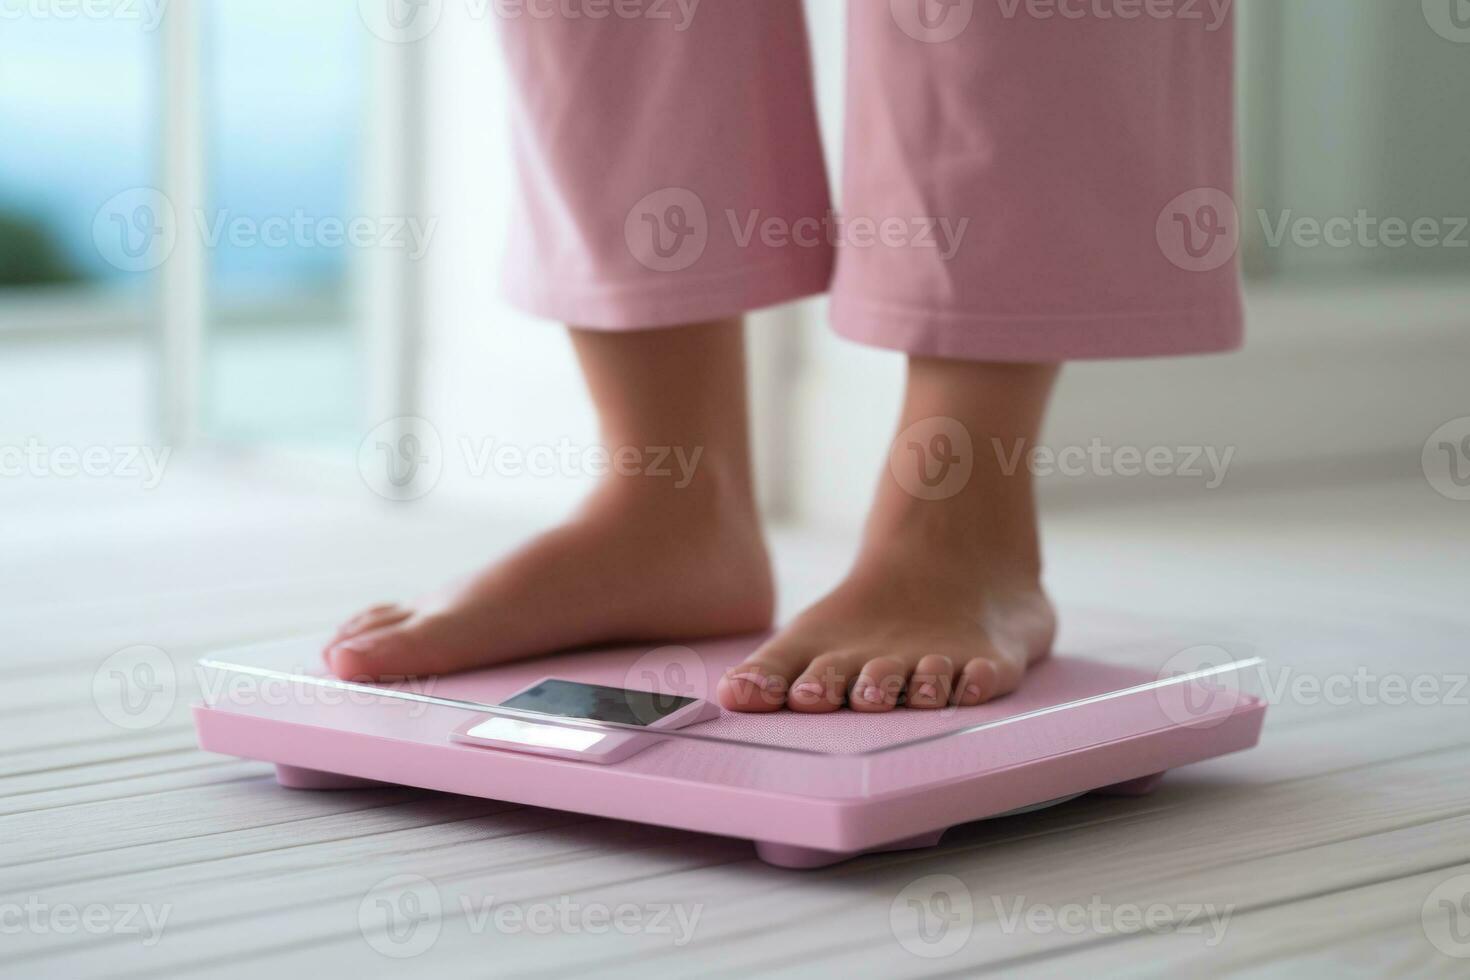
x=944, y=605
x=935, y=629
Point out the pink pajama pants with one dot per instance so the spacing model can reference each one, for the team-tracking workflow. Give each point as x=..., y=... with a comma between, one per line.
x=1023, y=180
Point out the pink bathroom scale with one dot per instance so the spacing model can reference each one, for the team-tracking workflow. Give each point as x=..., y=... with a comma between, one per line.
x=809, y=790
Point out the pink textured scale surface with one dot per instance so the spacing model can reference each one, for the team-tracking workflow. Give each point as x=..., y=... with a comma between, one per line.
x=808, y=789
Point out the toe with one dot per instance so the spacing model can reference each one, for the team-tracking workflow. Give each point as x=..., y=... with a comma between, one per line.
x=359, y=656
x=413, y=647
x=823, y=685
x=986, y=678
x=932, y=682
x=375, y=617
x=879, y=684
x=761, y=683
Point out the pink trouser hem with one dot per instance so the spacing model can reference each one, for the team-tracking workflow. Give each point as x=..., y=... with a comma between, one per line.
x=1041, y=338
x=684, y=300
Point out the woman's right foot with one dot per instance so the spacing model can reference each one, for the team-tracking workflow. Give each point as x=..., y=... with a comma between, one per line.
x=649, y=557
x=644, y=560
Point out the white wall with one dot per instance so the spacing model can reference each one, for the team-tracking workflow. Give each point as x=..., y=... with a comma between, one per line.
x=490, y=372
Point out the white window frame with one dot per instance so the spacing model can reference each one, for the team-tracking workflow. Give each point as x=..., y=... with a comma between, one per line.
x=390, y=283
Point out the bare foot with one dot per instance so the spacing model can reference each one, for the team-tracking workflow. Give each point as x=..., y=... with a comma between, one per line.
x=638, y=563
x=649, y=557
x=944, y=604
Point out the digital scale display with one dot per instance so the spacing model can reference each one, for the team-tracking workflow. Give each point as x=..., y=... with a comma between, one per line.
x=594, y=702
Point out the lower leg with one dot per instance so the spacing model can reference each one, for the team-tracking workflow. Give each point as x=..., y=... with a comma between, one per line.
x=944, y=601
x=664, y=555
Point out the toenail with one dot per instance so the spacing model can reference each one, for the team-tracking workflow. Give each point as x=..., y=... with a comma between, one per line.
x=973, y=691
x=810, y=689
x=927, y=690
x=751, y=677
x=872, y=694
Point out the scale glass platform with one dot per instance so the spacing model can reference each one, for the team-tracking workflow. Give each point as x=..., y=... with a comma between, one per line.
x=808, y=789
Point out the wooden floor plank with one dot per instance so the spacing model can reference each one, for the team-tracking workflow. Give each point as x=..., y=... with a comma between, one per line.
x=1324, y=843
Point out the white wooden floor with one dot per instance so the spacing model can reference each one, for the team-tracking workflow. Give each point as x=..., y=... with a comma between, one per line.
x=1338, y=847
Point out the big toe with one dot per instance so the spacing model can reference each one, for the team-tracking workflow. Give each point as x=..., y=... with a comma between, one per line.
x=372, y=618
x=762, y=682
